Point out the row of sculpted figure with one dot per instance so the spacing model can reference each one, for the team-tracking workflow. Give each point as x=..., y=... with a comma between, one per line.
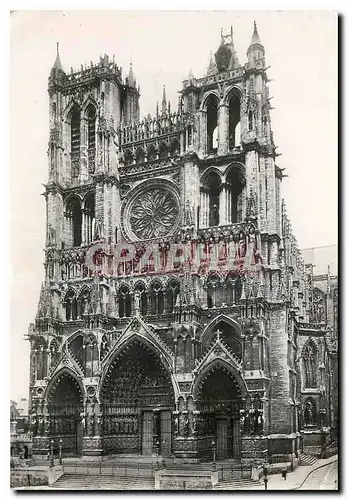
x=45, y=425
x=120, y=425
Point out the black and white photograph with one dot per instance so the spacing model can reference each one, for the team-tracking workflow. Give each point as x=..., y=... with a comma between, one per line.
x=174, y=250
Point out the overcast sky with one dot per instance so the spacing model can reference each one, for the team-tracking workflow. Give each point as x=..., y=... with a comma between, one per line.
x=163, y=46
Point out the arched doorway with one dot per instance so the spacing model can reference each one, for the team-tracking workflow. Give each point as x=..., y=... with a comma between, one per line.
x=65, y=408
x=137, y=399
x=219, y=401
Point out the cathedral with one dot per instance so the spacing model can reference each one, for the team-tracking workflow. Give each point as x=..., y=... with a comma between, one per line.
x=222, y=340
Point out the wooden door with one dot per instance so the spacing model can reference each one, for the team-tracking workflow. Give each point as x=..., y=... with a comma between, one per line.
x=236, y=438
x=166, y=433
x=221, y=438
x=147, y=433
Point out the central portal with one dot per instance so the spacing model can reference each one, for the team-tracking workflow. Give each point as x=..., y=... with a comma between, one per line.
x=219, y=402
x=137, y=403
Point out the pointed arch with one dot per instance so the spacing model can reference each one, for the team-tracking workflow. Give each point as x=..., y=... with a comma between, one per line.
x=309, y=356
x=89, y=101
x=148, y=340
x=205, y=175
x=68, y=109
x=209, y=329
x=211, y=94
x=232, y=90
x=64, y=371
x=211, y=103
x=233, y=99
x=65, y=398
x=218, y=362
x=236, y=165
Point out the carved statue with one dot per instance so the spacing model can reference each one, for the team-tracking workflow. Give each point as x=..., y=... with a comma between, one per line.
x=137, y=301
x=186, y=426
x=121, y=426
x=254, y=246
x=309, y=416
x=242, y=423
x=241, y=249
x=176, y=425
x=214, y=215
x=90, y=421
x=51, y=235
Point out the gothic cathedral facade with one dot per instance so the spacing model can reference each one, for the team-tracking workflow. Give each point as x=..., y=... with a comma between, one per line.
x=183, y=356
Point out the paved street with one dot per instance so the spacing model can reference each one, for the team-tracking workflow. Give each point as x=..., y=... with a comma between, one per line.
x=322, y=476
x=325, y=478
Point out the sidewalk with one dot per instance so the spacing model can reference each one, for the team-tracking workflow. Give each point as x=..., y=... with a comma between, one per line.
x=295, y=479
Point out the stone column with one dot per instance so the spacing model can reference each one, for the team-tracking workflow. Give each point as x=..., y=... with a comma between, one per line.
x=223, y=206
x=201, y=215
x=223, y=129
x=206, y=210
x=203, y=132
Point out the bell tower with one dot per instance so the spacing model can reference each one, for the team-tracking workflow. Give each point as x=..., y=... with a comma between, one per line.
x=85, y=109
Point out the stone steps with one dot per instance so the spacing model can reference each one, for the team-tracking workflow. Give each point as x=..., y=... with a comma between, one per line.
x=84, y=482
x=307, y=459
x=241, y=484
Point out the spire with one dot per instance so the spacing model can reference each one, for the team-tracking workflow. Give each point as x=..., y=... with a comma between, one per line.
x=164, y=101
x=57, y=63
x=255, y=44
x=131, y=78
x=255, y=38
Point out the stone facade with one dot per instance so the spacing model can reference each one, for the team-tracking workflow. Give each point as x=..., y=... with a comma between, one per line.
x=169, y=354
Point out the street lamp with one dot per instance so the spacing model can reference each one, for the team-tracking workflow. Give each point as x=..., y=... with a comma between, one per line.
x=157, y=444
x=213, y=448
x=51, y=453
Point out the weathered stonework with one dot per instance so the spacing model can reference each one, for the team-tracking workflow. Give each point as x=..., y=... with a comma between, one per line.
x=240, y=362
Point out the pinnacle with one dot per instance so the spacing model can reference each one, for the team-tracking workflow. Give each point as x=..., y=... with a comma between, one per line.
x=57, y=62
x=255, y=38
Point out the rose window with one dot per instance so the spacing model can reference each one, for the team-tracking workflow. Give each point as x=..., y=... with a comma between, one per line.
x=153, y=213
